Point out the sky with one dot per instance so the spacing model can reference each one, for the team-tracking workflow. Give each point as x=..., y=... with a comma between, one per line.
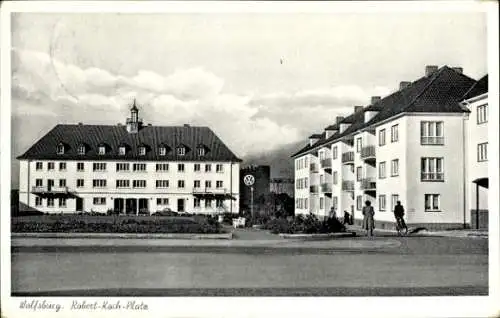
x=261, y=81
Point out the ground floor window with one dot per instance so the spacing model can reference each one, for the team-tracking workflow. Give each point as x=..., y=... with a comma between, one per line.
x=38, y=201
x=432, y=202
x=381, y=202
x=62, y=202
x=99, y=201
x=208, y=203
x=335, y=202
x=359, y=203
x=394, y=200
x=321, y=203
x=50, y=202
x=197, y=202
x=305, y=203
x=219, y=203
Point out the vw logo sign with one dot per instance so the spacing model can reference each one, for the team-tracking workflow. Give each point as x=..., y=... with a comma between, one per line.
x=249, y=180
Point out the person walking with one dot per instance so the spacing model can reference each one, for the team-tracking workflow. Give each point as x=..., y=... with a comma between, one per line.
x=368, y=218
x=399, y=213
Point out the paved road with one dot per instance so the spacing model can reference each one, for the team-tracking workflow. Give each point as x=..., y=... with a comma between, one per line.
x=415, y=266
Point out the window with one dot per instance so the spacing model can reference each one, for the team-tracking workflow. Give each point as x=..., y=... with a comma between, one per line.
x=335, y=202
x=305, y=182
x=219, y=168
x=99, y=166
x=432, y=202
x=180, y=183
x=180, y=167
x=219, y=203
x=39, y=166
x=321, y=203
x=139, y=167
x=381, y=137
x=359, y=203
x=99, y=201
x=80, y=166
x=181, y=151
x=359, y=173
x=162, y=183
x=197, y=167
x=196, y=203
x=101, y=150
x=39, y=183
x=80, y=183
x=381, y=170
x=335, y=177
x=305, y=203
x=99, y=183
x=201, y=151
x=208, y=203
x=50, y=202
x=81, y=150
x=62, y=202
x=139, y=183
x=142, y=151
x=162, y=201
x=208, y=184
x=359, y=144
x=38, y=201
x=395, y=168
x=321, y=179
x=381, y=202
x=482, y=152
x=163, y=151
x=208, y=167
x=50, y=166
x=197, y=183
x=394, y=200
x=60, y=149
x=394, y=133
x=305, y=162
x=432, y=169
x=321, y=155
x=122, y=183
x=62, y=166
x=162, y=167
x=62, y=183
x=122, y=151
x=335, y=153
x=219, y=184
x=482, y=114
x=431, y=133
x=122, y=167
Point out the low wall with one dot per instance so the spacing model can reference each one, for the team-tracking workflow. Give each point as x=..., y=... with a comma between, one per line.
x=182, y=236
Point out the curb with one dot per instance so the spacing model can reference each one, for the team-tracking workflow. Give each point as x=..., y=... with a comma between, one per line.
x=183, y=236
x=326, y=235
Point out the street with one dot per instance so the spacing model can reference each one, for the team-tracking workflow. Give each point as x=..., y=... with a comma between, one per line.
x=386, y=266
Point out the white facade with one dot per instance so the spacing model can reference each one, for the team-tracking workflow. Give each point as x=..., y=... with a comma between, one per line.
x=178, y=194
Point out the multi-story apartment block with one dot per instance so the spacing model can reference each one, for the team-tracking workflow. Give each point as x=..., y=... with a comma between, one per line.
x=407, y=146
x=131, y=168
x=476, y=101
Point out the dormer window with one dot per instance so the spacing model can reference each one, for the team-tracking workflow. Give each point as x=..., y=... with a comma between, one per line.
x=142, y=151
x=60, y=149
x=181, y=151
x=101, y=150
x=163, y=151
x=81, y=149
x=201, y=151
x=122, y=151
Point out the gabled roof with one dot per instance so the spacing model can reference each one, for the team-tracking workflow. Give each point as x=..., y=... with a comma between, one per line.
x=480, y=88
x=439, y=92
x=114, y=136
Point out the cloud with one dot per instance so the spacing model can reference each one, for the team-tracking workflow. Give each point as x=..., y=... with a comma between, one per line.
x=248, y=124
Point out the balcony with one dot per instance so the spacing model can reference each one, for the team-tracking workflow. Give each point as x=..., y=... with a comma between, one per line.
x=45, y=191
x=314, y=168
x=432, y=176
x=348, y=157
x=326, y=188
x=210, y=190
x=368, y=152
x=368, y=184
x=348, y=185
x=313, y=189
x=432, y=140
x=326, y=163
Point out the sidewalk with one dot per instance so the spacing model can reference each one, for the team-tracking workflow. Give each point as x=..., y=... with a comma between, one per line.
x=465, y=233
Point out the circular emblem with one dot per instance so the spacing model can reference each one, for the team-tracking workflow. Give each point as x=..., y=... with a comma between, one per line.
x=249, y=179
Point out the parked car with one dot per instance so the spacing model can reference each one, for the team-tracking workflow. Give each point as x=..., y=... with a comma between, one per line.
x=165, y=212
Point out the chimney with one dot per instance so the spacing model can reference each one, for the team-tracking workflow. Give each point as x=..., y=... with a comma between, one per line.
x=459, y=70
x=80, y=124
x=403, y=85
x=119, y=124
x=186, y=125
x=149, y=125
x=338, y=119
x=358, y=109
x=430, y=69
x=375, y=99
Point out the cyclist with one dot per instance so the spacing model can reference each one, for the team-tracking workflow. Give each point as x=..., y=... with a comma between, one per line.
x=399, y=213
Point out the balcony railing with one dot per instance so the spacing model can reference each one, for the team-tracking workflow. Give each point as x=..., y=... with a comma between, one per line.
x=432, y=176
x=314, y=167
x=210, y=190
x=348, y=185
x=368, y=184
x=46, y=189
x=326, y=163
x=368, y=152
x=432, y=140
x=313, y=189
x=326, y=187
x=348, y=157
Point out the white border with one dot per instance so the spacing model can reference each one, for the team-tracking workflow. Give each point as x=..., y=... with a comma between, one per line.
x=283, y=306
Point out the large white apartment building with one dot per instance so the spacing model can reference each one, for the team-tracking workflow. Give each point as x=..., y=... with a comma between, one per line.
x=131, y=168
x=409, y=146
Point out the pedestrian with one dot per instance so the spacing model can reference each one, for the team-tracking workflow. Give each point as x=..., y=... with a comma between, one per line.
x=368, y=218
x=332, y=214
x=347, y=218
x=399, y=213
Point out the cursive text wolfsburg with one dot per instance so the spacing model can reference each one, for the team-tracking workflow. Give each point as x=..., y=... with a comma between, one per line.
x=35, y=305
x=108, y=305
